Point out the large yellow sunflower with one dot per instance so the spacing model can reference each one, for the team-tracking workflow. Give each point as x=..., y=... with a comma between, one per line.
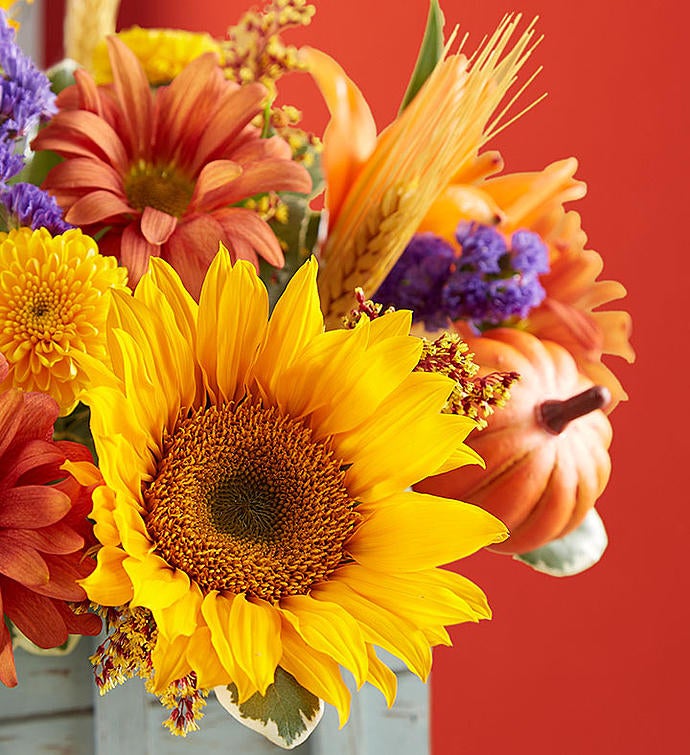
x=256, y=476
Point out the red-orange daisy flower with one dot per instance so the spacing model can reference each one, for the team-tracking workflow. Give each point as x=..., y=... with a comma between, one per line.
x=163, y=170
x=43, y=526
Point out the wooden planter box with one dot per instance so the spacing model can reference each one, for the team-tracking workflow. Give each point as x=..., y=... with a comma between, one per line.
x=56, y=709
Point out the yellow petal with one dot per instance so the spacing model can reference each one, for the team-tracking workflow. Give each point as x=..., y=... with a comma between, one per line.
x=381, y=369
x=328, y=628
x=203, y=658
x=407, y=437
x=255, y=629
x=314, y=670
x=381, y=676
x=169, y=661
x=109, y=584
x=84, y=472
x=105, y=529
x=387, y=629
x=295, y=321
x=182, y=616
x=413, y=531
x=216, y=611
x=156, y=583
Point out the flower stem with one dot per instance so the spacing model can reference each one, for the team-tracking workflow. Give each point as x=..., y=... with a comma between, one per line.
x=554, y=416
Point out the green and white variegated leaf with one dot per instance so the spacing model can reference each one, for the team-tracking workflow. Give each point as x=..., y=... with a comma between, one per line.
x=286, y=715
x=574, y=553
x=21, y=641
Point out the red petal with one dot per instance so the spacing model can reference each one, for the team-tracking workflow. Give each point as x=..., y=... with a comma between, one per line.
x=134, y=94
x=157, y=226
x=185, y=108
x=32, y=507
x=89, y=98
x=21, y=562
x=135, y=252
x=213, y=179
x=34, y=454
x=83, y=173
x=8, y=673
x=78, y=133
x=35, y=616
x=267, y=175
x=245, y=229
x=11, y=411
x=79, y=623
x=64, y=574
x=236, y=110
x=58, y=539
x=97, y=207
x=191, y=249
x=40, y=413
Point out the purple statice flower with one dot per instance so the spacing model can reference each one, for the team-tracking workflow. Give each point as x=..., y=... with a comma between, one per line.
x=25, y=95
x=492, y=283
x=528, y=253
x=482, y=247
x=417, y=279
x=10, y=162
x=27, y=205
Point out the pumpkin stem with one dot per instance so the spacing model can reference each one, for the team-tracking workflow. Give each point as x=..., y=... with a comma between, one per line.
x=554, y=416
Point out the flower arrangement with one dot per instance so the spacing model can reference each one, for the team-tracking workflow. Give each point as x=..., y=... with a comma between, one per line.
x=224, y=409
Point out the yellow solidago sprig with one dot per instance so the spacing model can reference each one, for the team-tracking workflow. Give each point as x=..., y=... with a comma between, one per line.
x=254, y=50
x=53, y=305
x=163, y=53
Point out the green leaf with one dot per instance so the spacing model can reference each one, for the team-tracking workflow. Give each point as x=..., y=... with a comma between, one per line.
x=573, y=553
x=61, y=75
x=430, y=52
x=286, y=715
x=298, y=238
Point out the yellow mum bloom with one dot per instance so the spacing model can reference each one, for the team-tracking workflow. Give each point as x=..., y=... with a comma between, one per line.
x=256, y=474
x=52, y=305
x=163, y=53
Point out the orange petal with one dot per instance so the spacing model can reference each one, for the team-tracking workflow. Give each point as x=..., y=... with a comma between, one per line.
x=157, y=226
x=350, y=137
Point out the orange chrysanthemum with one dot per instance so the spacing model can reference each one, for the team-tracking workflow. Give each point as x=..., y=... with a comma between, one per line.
x=163, y=170
x=570, y=314
x=43, y=526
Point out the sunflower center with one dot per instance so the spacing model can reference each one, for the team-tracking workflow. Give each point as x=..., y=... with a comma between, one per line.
x=159, y=187
x=246, y=500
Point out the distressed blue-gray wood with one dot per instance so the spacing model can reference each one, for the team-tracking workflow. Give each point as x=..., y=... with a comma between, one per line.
x=56, y=709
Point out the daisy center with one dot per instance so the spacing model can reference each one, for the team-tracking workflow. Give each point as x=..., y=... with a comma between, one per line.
x=246, y=500
x=159, y=187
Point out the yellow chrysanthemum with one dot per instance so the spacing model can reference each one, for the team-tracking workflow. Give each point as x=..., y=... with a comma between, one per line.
x=256, y=476
x=52, y=305
x=163, y=53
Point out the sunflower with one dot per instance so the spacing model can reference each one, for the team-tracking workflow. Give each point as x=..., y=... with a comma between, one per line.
x=52, y=305
x=256, y=474
x=43, y=526
x=570, y=313
x=161, y=171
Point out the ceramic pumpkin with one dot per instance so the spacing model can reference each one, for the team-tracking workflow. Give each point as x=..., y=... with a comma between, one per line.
x=545, y=464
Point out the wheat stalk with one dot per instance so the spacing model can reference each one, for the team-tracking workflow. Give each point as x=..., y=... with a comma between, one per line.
x=86, y=23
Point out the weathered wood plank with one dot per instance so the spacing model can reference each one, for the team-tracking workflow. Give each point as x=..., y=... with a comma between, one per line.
x=49, y=684
x=58, y=734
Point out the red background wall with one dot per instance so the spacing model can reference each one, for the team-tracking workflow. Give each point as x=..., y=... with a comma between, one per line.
x=598, y=663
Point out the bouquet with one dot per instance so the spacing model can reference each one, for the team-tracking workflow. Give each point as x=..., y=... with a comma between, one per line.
x=250, y=375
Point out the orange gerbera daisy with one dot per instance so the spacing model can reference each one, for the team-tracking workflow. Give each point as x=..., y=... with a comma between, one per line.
x=43, y=526
x=569, y=314
x=162, y=171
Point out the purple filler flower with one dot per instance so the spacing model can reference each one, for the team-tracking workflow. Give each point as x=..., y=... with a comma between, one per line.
x=28, y=206
x=417, y=279
x=25, y=95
